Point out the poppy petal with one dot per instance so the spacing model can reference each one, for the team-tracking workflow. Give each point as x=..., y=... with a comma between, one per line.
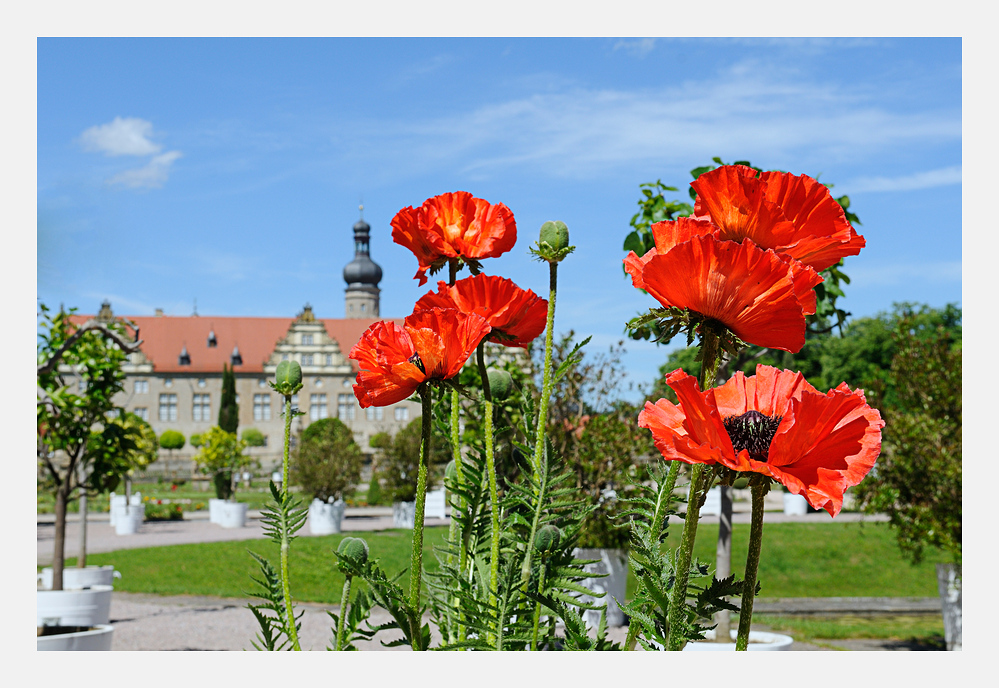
x=736, y=202
x=749, y=290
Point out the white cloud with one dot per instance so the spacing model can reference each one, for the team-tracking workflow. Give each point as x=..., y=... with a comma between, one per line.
x=121, y=136
x=152, y=176
x=945, y=176
x=639, y=47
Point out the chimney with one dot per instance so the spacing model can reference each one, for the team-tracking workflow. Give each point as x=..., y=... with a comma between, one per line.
x=159, y=313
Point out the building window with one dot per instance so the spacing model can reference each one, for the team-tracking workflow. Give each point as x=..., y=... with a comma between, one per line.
x=284, y=357
x=168, y=407
x=142, y=386
x=317, y=407
x=345, y=407
x=329, y=359
x=318, y=382
x=168, y=382
x=347, y=382
x=375, y=413
x=306, y=359
x=402, y=413
x=142, y=412
x=364, y=307
x=81, y=385
x=202, y=407
x=307, y=340
x=262, y=382
x=202, y=382
x=261, y=407
x=294, y=401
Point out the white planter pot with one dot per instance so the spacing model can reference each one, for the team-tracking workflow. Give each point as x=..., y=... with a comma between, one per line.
x=613, y=562
x=759, y=641
x=795, y=505
x=119, y=500
x=74, y=578
x=91, y=607
x=128, y=524
x=232, y=515
x=213, y=509
x=326, y=518
x=712, y=502
x=404, y=515
x=436, y=504
x=97, y=638
x=949, y=587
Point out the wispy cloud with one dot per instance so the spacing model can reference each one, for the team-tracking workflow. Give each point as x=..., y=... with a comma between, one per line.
x=945, y=176
x=131, y=136
x=639, y=47
x=886, y=275
x=580, y=132
x=152, y=176
x=121, y=136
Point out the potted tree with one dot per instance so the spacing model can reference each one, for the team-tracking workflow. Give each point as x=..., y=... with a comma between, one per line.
x=171, y=440
x=221, y=454
x=397, y=466
x=326, y=463
x=79, y=372
x=126, y=444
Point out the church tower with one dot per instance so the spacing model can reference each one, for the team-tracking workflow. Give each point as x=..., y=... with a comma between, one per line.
x=362, y=276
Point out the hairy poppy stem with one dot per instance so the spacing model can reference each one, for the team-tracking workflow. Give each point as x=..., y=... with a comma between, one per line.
x=455, y=533
x=285, y=540
x=677, y=613
x=416, y=568
x=539, y=440
x=344, y=599
x=752, y=564
x=491, y=469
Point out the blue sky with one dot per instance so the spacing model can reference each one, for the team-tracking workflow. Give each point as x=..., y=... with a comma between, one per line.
x=230, y=170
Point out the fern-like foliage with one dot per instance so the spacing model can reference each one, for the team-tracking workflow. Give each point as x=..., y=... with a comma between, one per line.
x=360, y=610
x=270, y=614
x=284, y=517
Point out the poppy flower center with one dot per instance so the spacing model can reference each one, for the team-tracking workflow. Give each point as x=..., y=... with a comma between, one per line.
x=418, y=362
x=753, y=432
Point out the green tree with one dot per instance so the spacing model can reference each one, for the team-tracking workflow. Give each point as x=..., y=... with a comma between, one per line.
x=228, y=408
x=254, y=438
x=327, y=461
x=79, y=372
x=400, y=457
x=220, y=456
x=171, y=440
x=917, y=479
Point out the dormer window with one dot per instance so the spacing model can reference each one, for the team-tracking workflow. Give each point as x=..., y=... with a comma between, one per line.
x=184, y=358
x=212, y=341
x=235, y=359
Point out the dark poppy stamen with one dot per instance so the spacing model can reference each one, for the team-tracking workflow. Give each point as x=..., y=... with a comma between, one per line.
x=418, y=362
x=753, y=432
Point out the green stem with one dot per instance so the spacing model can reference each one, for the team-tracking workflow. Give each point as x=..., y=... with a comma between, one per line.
x=537, y=609
x=344, y=599
x=752, y=564
x=658, y=525
x=539, y=440
x=285, y=540
x=677, y=612
x=416, y=569
x=454, y=531
x=491, y=470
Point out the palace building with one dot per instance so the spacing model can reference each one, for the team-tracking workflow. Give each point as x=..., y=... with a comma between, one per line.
x=175, y=381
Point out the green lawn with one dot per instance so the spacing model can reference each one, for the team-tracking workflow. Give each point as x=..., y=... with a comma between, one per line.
x=928, y=629
x=798, y=560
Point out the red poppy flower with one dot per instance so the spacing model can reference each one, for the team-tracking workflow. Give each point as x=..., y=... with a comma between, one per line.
x=757, y=295
x=432, y=344
x=454, y=225
x=794, y=215
x=516, y=315
x=775, y=423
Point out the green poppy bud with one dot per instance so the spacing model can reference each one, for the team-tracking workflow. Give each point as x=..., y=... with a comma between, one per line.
x=500, y=383
x=288, y=378
x=547, y=538
x=555, y=234
x=451, y=471
x=354, y=549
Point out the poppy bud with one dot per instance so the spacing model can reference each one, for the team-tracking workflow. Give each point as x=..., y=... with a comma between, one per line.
x=547, y=538
x=288, y=378
x=555, y=234
x=354, y=549
x=500, y=383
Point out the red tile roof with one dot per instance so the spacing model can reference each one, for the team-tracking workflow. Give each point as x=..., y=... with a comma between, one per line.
x=165, y=336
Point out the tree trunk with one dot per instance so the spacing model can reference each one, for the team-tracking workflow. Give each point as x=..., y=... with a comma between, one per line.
x=59, y=542
x=723, y=563
x=81, y=559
